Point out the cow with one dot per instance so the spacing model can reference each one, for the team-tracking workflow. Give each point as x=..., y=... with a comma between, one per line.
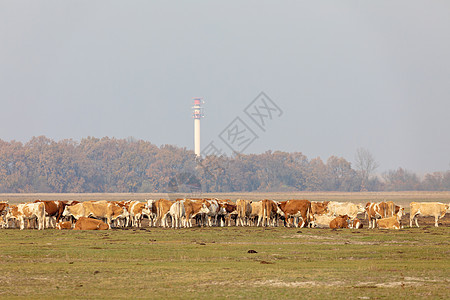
x=137, y=211
x=227, y=210
x=84, y=223
x=269, y=213
x=319, y=208
x=214, y=208
x=12, y=215
x=355, y=224
x=256, y=214
x=193, y=208
x=178, y=213
x=340, y=222
x=427, y=209
x=322, y=221
x=244, y=209
x=3, y=207
x=295, y=209
x=53, y=212
x=162, y=208
x=98, y=209
x=64, y=225
x=389, y=223
x=375, y=211
x=29, y=211
x=152, y=212
x=345, y=208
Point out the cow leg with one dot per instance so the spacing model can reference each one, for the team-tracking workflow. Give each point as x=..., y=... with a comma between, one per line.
x=436, y=219
x=416, y=219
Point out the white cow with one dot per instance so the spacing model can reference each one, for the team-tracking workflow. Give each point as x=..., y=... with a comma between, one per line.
x=345, y=208
x=322, y=221
x=427, y=209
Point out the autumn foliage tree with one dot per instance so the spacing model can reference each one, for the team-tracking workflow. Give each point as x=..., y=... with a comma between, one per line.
x=131, y=165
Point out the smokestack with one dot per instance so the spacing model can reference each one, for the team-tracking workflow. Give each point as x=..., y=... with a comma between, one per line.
x=197, y=115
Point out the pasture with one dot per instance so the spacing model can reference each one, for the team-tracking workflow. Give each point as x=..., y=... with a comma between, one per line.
x=217, y=262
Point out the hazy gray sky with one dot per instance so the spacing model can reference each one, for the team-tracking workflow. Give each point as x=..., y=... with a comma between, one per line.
x=346, y=74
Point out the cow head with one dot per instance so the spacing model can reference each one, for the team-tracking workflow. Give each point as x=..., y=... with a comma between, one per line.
x=204, y=209
x=400, y=213
x=66, y=212
x=361, y=208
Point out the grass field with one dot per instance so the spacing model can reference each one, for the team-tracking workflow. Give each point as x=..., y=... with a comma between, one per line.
x=216, y=263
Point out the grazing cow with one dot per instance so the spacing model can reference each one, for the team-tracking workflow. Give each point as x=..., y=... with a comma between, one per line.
x=29, y=211
x=162, y=208
x=97, y=209
x=295, y=209
x=53, y=212
x=64, y=225
x=355, y=224
x=269, y=213
x=427, y=209
x=345, y=208
x=389, y=223
x=256, y=214
x=319, y=208
x=84, y=223
x=244, y=209
x=322, y=221
x=137, y=211
x=152, y=212
x=193, y=208
x=227, y=212
x=12, y=215
x=340, y=222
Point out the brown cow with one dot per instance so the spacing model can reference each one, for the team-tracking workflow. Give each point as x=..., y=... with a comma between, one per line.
x=162, y=208
x=389, y=223
x=244, y=210
x=295, y=209
x=340, y=222
x=64, y=225
x=84, y=223
x=375, y=211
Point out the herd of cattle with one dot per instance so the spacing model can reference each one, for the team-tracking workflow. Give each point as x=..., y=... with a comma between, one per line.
x=94, y=215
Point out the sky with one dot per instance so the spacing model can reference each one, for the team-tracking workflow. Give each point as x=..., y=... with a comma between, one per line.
x=343, y=75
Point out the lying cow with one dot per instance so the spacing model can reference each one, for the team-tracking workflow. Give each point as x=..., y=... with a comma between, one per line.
x=427, y=209
x=355, y=224
x=322, y=221
x=389, y=223
x=84, y=223
x=64, y=225
x=340, y=222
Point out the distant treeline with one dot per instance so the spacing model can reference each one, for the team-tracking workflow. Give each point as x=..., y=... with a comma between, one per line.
x=130, y=165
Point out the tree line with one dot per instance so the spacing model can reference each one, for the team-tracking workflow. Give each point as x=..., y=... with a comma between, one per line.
x=131, y=165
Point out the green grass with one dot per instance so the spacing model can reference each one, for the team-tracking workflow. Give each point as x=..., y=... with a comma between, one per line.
x=215, y=263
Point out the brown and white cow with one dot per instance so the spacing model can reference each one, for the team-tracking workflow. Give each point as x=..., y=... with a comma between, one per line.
x=64, y=225
x=192, y=209
x=270, y=213
x=53, y=211
x=355, y=224
x=98, y=209
x=84, y=223
x=295, y=209
x=227, y=212
x=137, y=211
x=340, y=222
x=244, y=210
x=375, y=211
x=30, y=211
x=427, y=209
x=152, y=212
x=162, y=208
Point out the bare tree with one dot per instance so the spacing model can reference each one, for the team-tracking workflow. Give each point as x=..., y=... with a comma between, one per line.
x=365, y=164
